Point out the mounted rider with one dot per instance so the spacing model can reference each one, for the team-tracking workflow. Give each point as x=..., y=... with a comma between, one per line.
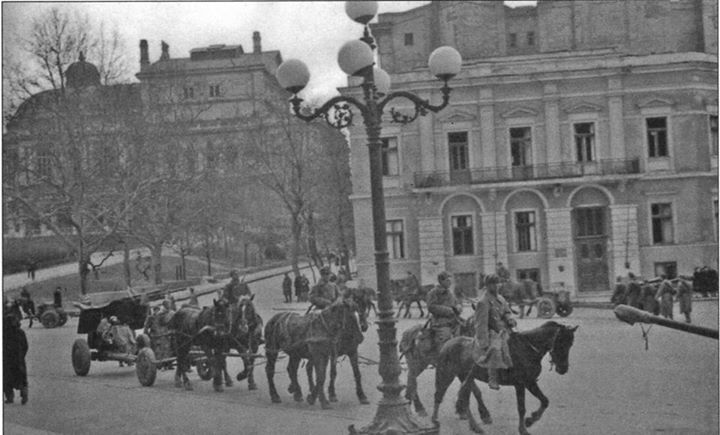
x=493, y=323
x=445, y=310
x=502, y=272
x=234, y=289
x=324, y=292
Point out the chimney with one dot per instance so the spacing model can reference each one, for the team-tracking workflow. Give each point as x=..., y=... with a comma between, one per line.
x=256, y=42
x=165, y=55
x=144, y=58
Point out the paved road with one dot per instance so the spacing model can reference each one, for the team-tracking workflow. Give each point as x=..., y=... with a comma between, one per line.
x=614, y=386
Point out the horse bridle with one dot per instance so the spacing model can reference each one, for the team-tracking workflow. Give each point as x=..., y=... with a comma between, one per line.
x=550, y=351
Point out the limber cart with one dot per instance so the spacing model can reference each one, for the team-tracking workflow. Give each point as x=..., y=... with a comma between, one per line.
x=131, y=311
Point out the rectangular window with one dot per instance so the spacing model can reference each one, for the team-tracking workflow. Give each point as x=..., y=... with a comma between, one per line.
x=667, y=268
x=662, y=224
x=520, y=143
x=390, y=158
x=458, y=146
x=44, y=163
x=462, y=233
x=409, y=39
x=189, y=93
x=713, y=135
x=214, y=91
x=530, y=38
x=525, y=230
x=531, y=274
x=395, y=238
x=590, y=221
x=657, y=136
x=584, y=141
x=512, y=40
x=715, y=215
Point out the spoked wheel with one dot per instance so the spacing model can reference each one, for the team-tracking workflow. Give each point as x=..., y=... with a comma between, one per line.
x=145, y=367
x=50, y=319
x=545, y=308
x=204, y=369
x=81, y=357
x=564, y=310
x=63, y=317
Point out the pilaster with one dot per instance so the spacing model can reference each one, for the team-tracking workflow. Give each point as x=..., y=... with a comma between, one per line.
x=494, y=240
x=624, y=244
x=487, y=128
x=615, y=118
x=432, y=248
x=561, y=262
x=551, y=100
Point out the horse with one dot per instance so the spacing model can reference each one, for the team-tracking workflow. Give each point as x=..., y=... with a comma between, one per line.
x=406, y=292
x=206, y=328
x=310, y=337
x=527, y=350
x=521, y=294
x=418, y=347
x=347, y=344
x=245, y=337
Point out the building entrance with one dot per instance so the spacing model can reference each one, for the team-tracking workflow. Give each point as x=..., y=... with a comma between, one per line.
x=591, y=248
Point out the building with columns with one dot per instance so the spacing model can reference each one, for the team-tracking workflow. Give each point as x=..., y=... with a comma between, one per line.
x=580, y=143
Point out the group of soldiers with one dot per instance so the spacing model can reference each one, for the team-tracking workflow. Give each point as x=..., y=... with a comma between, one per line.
x=656, y=296
x=493, y=322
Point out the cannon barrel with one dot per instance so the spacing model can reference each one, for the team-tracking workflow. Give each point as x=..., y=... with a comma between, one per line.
x=632, y=315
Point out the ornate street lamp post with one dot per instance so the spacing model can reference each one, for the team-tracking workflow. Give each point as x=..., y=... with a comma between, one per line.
x=356, y=58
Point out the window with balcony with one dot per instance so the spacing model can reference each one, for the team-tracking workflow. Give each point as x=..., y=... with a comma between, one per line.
x=713, y=121
x=662, y=223
x=520, y=146
x=395, y=238
x=657, y=136
x=525, y=231
x=462, y=235
x=458, y=146
x=390, y=157
x=584, y=141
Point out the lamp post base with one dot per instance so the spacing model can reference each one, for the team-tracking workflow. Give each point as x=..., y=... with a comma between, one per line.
x=393, y=417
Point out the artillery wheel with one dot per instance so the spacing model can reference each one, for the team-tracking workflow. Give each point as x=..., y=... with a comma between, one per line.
x=81, y=357
x=145, y=367
x=143, y=341
x=545, y=308
x=50, y=319
x=564, y=310
x=63, y=317
x=204, y=369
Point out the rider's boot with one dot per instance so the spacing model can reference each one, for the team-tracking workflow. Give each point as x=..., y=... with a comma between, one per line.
x=23, y=395
x=493, y=379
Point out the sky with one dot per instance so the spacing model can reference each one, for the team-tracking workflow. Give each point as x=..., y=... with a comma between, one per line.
x=310, y=31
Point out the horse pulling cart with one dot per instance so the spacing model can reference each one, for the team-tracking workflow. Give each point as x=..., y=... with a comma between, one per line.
x=150, y=353
x=526, y=293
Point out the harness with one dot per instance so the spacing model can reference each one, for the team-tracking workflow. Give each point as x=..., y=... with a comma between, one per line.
x=540, y=352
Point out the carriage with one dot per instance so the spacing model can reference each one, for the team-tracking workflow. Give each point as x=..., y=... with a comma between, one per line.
x=527, y=293
x=552, y=302
x=152, y=352
x=50, y=315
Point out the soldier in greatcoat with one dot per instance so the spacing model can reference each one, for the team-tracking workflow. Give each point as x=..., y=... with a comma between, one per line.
x=445, y=309
x=15, y=347
x=666, y=294
x=684, y=296
x=324, y=292
x=493, y=323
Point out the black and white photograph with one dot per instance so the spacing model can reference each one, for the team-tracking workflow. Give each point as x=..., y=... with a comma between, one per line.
x=361, y=217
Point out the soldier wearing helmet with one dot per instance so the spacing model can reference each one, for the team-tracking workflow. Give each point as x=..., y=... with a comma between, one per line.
x=234, y=289
x=493, y=323
x=445, y=310
x=324, y=292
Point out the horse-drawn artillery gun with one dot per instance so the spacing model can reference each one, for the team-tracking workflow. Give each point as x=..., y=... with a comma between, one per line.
x=527, y=293
x=51, y=315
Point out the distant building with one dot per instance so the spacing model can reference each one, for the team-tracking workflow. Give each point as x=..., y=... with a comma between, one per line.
x=198, y=104
x=580, y=144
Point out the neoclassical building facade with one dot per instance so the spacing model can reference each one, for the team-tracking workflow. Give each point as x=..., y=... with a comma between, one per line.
x=580, y=143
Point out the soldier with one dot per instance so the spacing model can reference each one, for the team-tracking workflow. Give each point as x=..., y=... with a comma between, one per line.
x=324, y=292
x=493, y=323
x=234, y=289
x=665, y=294
x=445, y=310
x=15, y=347
x=684, y=296
x=502, y=272
x=287, y=288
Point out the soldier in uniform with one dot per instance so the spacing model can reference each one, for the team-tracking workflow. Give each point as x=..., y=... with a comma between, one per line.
x=493, y=323
x=502, y=272
x=234, y=289
x=445, y=310
x=324, y=292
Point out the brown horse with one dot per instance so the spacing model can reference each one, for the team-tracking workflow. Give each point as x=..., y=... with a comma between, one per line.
x=246, y=337
x=406, y=292
x=527, y=350
x=310, y=337
x=206, y=328
x=347, y=344
x=419, y=349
